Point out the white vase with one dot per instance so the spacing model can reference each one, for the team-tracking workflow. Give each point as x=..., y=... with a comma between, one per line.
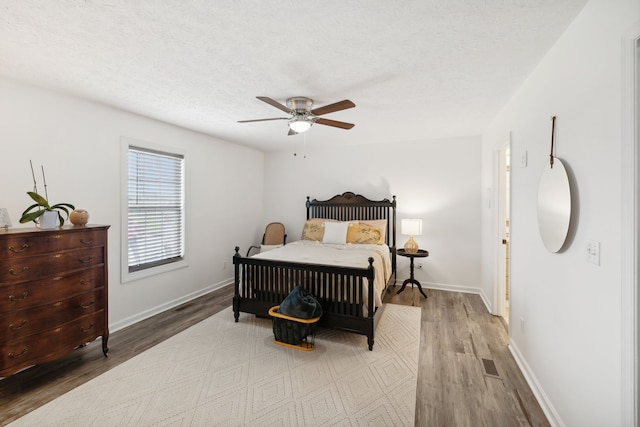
x=48, y=220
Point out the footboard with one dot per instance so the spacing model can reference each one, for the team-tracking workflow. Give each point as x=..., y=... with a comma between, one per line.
x=345, y=293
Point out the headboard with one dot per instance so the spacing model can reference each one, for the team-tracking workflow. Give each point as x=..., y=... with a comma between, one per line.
x=350, y=206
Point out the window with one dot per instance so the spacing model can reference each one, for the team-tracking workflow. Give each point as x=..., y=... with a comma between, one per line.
x=155, y=208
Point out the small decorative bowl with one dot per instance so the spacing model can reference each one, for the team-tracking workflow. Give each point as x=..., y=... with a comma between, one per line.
x=79, y=217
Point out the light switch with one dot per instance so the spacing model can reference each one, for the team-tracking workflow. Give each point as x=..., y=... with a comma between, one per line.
x=523, y=159
x=593, y=252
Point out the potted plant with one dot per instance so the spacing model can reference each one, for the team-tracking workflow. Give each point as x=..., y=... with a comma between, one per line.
x=41, y=212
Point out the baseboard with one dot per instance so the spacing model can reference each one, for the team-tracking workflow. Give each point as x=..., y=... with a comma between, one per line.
x=545, y=403
x=138, y=317
x=458, y=288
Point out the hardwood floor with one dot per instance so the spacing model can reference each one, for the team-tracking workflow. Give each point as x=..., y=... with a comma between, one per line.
x=466, y=375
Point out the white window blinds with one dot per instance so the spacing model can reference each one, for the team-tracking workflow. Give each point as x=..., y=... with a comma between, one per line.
x=155, y=187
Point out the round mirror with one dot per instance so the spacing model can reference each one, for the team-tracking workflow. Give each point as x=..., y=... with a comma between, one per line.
x=554, y=205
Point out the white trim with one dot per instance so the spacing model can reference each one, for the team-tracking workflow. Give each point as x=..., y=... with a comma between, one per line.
x=500, y=208
x=458, y=288
x=495, y=231
x=138, y=317
x=545, y=403
x=629, y=176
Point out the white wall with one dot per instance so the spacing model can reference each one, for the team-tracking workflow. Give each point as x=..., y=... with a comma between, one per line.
x=78, y=143
x=571, y=343
x=436, y=180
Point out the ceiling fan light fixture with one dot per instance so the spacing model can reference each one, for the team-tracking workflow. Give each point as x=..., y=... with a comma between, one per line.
x=299, y=125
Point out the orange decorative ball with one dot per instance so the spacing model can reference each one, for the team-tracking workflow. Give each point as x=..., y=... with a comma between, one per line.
x=79, y=217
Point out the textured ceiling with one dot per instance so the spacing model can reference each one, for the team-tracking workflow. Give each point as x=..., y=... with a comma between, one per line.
x=416, y=69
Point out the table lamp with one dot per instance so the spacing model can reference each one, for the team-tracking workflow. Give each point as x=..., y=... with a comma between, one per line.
x=411, y=227
x=5, y=221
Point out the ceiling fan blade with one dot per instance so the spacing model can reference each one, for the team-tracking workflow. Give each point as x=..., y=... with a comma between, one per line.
x=263, y=120
x=335, y=123
x=342, y=105
x=274, y=103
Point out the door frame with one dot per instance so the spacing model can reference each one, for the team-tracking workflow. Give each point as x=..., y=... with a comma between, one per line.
x=630, y=322
x=502, y=199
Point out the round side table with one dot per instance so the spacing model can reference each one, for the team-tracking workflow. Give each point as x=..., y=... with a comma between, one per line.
x=420, y=254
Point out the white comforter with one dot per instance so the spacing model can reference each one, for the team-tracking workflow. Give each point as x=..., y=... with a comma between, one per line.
x=348, y=255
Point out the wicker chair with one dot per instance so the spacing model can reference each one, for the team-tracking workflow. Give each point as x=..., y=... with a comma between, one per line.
x=274, y=235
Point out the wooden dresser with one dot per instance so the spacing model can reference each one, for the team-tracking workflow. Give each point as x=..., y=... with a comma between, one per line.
x=53, y=293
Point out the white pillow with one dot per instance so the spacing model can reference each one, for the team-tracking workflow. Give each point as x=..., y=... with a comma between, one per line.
x=335, y=232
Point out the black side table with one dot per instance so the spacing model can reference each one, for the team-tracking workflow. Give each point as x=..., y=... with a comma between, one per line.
x=420, y=254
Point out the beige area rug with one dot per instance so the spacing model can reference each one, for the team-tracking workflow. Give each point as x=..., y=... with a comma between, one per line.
x=221, y=373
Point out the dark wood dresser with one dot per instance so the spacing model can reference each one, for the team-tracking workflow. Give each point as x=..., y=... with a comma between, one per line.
x=53, y=293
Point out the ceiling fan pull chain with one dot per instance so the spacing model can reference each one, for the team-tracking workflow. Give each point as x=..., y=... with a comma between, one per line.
x=304, y=154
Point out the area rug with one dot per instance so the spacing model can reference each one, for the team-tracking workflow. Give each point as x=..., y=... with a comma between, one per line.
x=221, y=373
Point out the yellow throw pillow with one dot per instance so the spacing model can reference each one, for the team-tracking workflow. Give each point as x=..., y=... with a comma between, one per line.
x=378, y=223
x=313, y=229
x=359, y=233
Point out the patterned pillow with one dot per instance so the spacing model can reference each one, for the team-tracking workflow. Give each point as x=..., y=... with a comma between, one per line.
x=379, y=223
x=359, y=233
x=313, y=229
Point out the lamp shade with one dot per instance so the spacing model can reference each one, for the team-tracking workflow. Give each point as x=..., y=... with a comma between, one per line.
x=411, y=227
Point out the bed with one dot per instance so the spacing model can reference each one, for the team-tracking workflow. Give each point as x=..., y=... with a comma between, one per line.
x=349, y=279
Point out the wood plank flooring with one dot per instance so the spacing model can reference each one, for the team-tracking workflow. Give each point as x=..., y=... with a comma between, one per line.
x=466, y=375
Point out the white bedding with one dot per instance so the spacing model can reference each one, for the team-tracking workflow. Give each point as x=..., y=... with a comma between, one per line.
x=344, y=255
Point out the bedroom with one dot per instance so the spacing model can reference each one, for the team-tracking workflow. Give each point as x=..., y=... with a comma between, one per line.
x=78, y=142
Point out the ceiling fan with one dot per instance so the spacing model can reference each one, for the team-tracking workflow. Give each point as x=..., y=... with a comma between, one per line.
x=302, y=116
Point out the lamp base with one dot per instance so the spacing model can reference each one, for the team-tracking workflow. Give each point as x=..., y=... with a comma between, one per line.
x=411, y=247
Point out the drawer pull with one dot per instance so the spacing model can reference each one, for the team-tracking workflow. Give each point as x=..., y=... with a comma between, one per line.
x=86, y=241
x=25, y=294
x=86, y=260
x=85, y=282
x=12, y=271
x=15, y=356
x=20, y=326
x=85, y=330
x=22, y=249
x=87, y=305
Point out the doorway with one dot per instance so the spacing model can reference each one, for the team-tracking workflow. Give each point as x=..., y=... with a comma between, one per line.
x=502, y=235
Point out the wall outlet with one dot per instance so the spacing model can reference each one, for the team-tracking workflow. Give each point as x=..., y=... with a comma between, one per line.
x=523, y=159
x=224, y=265
x=522, y=324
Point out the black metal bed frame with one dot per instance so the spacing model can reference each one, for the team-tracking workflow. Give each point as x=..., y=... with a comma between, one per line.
x=261, y=284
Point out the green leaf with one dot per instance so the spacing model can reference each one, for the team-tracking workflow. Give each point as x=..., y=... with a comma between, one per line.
x=29, y=208
x=27, y=217
x=38, y=199
x=64, y=207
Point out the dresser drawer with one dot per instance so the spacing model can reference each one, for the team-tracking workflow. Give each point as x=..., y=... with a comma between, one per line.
x=50, y=344
x=37, y=243
x=20, y=324
x=39, y=266
x=29, y=294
